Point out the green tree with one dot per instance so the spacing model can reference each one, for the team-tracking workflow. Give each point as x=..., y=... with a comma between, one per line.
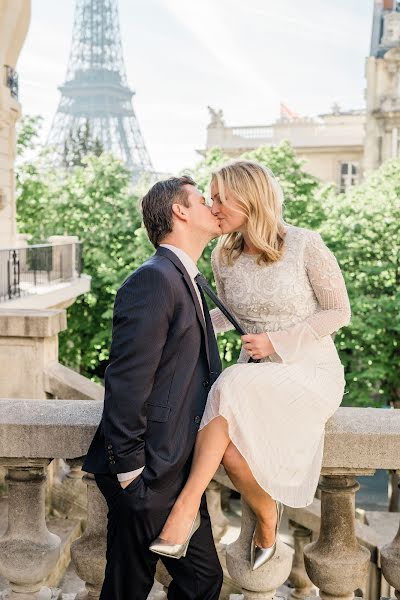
x=79, y=144
x=28, y=133
x=363, y=232
x=93, y=201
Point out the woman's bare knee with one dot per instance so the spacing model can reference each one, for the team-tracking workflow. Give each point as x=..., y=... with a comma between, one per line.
x=232, y=459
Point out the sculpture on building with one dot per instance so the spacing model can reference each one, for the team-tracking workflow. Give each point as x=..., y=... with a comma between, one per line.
x=216, y=117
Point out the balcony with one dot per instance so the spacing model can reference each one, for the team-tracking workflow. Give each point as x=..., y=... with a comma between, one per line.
x=12, y=81
x=42, y=275
x=36, y=432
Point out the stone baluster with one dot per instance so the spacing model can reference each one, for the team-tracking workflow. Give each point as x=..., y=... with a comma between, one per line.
x=393, y=490
x=390, y=563
x=262, y=583
x=219, y=522
x=298, y=577
x=163, y=577
x=70, y=492
x=336, y=563
x=28, y=551
x=88, y=553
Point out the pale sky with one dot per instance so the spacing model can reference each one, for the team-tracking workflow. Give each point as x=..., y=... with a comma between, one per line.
x=182, y=55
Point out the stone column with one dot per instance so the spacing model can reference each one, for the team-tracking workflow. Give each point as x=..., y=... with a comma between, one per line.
x=390, y=563
x=336, y=563
x=298, y=577
x=88, y=553
x=262, y=583
x=64, y=255
x=14, y=24
x=28, y=343
x=28, y=551
x=69, y=492
x=393, y=490
x=162, y=576
x=219, y=522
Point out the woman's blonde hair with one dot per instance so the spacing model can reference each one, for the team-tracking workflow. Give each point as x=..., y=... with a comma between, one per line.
x=259, y=197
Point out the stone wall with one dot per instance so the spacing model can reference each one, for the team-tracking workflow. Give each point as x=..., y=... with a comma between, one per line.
x=14, y=23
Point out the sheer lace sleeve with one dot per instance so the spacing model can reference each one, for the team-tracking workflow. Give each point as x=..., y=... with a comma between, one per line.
x=219, y=321
x=330, y=290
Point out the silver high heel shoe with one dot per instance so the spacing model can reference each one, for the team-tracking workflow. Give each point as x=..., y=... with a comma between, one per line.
x=259, y=556
x=164, y=548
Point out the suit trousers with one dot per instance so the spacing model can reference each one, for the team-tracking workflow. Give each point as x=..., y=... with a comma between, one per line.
x=136, y=516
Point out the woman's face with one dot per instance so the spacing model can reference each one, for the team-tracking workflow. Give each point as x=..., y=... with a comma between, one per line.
x=229, y=214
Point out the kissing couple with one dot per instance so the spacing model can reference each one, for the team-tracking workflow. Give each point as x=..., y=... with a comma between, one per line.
x=171, y=418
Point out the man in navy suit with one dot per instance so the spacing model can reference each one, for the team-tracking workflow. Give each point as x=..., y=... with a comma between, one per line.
x=163, y=361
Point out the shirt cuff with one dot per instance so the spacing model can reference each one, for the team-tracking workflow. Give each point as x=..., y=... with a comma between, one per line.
x=129, y=474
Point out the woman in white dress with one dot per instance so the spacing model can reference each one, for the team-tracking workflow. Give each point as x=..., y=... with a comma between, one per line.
x=265, y=421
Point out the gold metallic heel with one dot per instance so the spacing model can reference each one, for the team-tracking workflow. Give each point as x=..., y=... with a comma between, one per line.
x=164, y=548
x=259, y=556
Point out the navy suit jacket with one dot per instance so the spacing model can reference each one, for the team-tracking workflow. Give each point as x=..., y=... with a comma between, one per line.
x=163, y=361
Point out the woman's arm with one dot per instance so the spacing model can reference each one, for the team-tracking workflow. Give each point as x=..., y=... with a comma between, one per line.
x=330, y=290
x=218, y=319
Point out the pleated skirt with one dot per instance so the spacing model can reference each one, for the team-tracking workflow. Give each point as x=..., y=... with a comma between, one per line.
x=276, y=414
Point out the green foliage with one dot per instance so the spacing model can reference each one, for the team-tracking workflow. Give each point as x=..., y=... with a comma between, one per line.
x=94, y=201
x=80, y=144
x=302, y=205
x=363, y=232
x=28, y=133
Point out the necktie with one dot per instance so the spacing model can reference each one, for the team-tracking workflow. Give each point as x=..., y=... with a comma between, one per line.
x=215, y=361
x=205, y=286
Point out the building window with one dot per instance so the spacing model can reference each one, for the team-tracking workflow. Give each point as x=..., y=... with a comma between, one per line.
x=348, y=175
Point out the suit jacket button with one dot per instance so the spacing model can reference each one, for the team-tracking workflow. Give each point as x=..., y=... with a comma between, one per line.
x=206, y=383
x=197, y=419
x=112, y=462
x=109, y=446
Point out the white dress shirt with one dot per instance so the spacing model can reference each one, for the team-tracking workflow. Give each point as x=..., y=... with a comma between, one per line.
x=192, y=271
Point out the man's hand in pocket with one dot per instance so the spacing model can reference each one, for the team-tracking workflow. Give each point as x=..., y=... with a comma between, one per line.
x=125, y=484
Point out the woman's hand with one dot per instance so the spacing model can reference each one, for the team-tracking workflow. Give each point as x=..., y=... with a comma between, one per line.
x=257, y=345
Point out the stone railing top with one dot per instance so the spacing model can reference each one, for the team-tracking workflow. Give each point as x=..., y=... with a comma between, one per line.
x=363, y=438
x=61, y=382
x=356, y=440
x=47, y=428
x=31, y=323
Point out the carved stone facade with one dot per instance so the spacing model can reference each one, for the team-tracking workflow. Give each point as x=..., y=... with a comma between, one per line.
x=331, y=145
x=382, y=140
x=14, y=23
x=338, y=147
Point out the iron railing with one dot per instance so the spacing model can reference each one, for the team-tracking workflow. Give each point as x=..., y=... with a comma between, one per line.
x=12, y=81
x=32, y=269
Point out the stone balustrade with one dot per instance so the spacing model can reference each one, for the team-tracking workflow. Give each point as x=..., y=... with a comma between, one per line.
x=33, y=432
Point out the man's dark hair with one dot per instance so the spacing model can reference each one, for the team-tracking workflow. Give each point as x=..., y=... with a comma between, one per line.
x=157, y=206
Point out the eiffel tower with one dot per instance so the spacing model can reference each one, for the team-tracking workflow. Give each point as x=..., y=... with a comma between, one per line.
x=95, y=94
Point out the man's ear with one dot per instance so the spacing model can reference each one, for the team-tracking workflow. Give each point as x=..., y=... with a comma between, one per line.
x=179, y=211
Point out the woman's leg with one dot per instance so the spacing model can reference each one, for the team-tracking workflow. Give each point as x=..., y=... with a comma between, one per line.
x=260, y=502
x=214, y=446
x=211, y=443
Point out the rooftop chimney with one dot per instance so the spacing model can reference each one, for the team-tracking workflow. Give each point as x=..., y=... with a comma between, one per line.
x=389, y=4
